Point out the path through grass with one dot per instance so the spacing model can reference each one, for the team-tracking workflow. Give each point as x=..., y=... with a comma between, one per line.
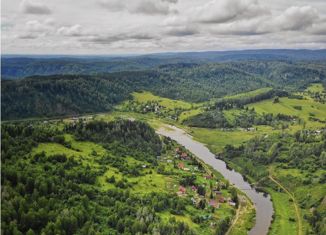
x=297, y=210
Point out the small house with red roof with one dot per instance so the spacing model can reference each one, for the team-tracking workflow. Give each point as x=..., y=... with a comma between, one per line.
x=182, y=189
x=208, y=177
x=213, y=203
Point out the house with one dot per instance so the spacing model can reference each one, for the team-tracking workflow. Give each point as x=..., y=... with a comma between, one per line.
x=194, y=188
x=182, y=190
x=169, y=161
x=181, y=165
x=213, y=203
x=221, y=199
x=208, y=177
x=186, y=169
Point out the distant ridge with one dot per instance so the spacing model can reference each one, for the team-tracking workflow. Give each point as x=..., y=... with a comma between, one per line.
x=20, y=66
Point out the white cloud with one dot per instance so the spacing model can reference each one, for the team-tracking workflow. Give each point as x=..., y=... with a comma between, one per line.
x=147, y=7
x=74, y=30
x=296, y=18
x=122, y=26
x=318, y=28
x=35, y=7
x=221, y=11
x=35, y=29
x=110, y=39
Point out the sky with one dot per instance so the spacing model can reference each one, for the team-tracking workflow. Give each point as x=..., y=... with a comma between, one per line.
x=147, y=26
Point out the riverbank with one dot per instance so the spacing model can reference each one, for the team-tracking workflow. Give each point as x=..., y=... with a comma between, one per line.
x=263, y=205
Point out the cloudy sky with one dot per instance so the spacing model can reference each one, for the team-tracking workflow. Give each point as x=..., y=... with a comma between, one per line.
x=145, y=26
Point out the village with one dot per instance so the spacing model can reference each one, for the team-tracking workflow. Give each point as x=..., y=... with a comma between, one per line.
x=199, y=183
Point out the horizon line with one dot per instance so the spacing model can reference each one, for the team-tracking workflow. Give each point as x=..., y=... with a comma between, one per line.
x=155, y=53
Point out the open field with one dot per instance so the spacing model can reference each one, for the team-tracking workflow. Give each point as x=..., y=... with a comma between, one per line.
x=216, y=139
x=284, y=211
x=304, y=109
x=316, y=87
x=244, y=219
x=249, y=93
x=145, y=96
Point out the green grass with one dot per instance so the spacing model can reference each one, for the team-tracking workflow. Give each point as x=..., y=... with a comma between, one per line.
x=305, y=194
x=151, y=183
x=79, y=149
x=54, y=148
x=145, y=96
x=246, y=217
x=249, y=93
x=187, y=114
x=287, y=106
x=284, y=210
x=165, y=216
x=316, y=87
x=230, y=114
x=216, y=139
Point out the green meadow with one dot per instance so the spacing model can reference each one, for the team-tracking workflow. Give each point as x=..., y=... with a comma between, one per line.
x=145, y=96
x=303, y=108
x=249, y=93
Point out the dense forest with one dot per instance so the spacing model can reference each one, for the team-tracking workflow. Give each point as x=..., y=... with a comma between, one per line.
x=59, y=95
x=85, y=180
x=15, y=67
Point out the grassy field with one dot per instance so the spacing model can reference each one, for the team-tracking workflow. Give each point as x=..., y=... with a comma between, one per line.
x=187, y=114
x=316, y=87
x=244, y=219
x=145, y=96
x=216, y=139
x=249, y=94
x=284, y=210
x=304, y=109
x=306, y=195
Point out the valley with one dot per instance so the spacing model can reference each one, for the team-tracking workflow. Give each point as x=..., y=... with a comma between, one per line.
x=163, y=117
x=108, y=156
x=291, y=216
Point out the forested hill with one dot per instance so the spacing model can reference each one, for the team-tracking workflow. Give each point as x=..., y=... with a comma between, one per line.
x=20, y=66
x=59, y=95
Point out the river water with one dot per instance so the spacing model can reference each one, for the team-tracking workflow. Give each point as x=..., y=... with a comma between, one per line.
x=263, y=205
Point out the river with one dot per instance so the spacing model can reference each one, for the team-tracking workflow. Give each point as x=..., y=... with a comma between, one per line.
x=263, y=204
